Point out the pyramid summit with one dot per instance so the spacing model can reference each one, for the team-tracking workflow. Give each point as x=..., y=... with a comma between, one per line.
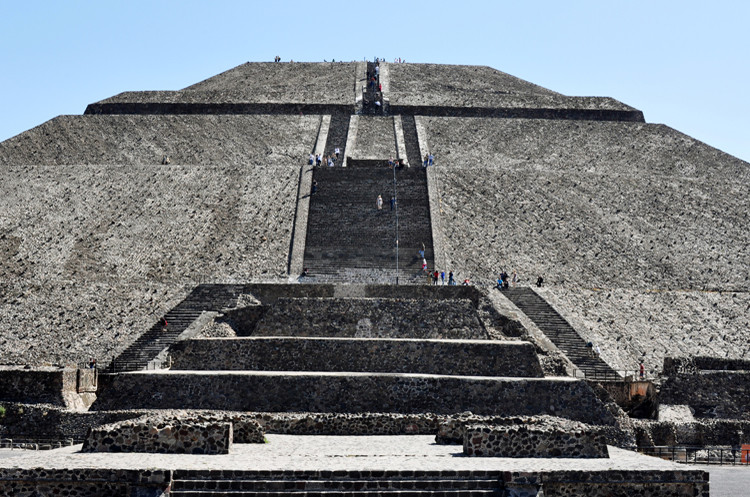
x=190, y=228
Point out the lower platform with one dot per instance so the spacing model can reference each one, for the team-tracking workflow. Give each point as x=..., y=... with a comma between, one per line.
x=287, y=457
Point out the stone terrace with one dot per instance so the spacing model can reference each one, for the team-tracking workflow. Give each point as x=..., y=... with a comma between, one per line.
x=436, y=85
x=100, y=239
x=305, y=83
x=627, y=207
x=143, y=140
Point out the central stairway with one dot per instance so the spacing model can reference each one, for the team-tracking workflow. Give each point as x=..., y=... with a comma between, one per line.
x=348, y=238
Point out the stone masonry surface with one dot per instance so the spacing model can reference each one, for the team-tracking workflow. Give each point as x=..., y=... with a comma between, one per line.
x=638, y=230
x=533, y=441
x=464, y=357
x=92, y=255
x=144, y=430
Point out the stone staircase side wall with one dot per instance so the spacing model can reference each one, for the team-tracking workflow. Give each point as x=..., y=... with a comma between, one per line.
x=436, y=208
x=398, y=129
x=351, y=137
x=299, y=231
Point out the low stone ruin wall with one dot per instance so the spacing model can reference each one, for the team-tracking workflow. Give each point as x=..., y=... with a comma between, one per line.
x=351, y=392
x=453, y=429
x=175, y=437
x=38, y=385
x=537, y=441
x=176, y=433
x=476, y=357
x=711, y=394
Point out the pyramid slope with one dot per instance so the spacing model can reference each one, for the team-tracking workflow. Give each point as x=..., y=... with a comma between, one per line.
x=134, y=139
x=91, y=254
x=284, y=82
x=639, y=230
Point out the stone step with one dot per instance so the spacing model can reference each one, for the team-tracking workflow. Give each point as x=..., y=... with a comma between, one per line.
x=336, y=493
x=353, y=485
x=449, y=357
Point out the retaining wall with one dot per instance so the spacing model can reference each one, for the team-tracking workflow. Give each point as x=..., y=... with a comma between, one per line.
x=457, y=357
x=711, y=394
x=40, y=385
x=352, y=392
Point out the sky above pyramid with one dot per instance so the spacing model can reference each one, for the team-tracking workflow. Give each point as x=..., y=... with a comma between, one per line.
x=682, y=63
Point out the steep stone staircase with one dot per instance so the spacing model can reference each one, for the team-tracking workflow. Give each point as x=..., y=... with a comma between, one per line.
x=203, y=298
x=561, y=333
x=337, y=133
x=372, y=95
x=204, y=483
x=347, y=234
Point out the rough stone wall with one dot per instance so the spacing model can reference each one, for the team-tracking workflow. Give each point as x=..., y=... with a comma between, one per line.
x=372, y=318
x=92, y=255
x=175, y=437
x=352, y=392
x=479, y=358
x=176, y=432
x=633, y=226
x=533, y=441
x=715, y=394
x=85, y=482
x=453, y=429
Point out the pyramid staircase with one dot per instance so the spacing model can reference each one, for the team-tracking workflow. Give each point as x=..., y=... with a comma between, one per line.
x=148, y=346
x=338, y=131
x=205, y=483
x=561, y=333
x=348, y=238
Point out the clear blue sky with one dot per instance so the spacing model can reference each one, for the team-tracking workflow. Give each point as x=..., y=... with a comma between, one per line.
x=683, y=63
